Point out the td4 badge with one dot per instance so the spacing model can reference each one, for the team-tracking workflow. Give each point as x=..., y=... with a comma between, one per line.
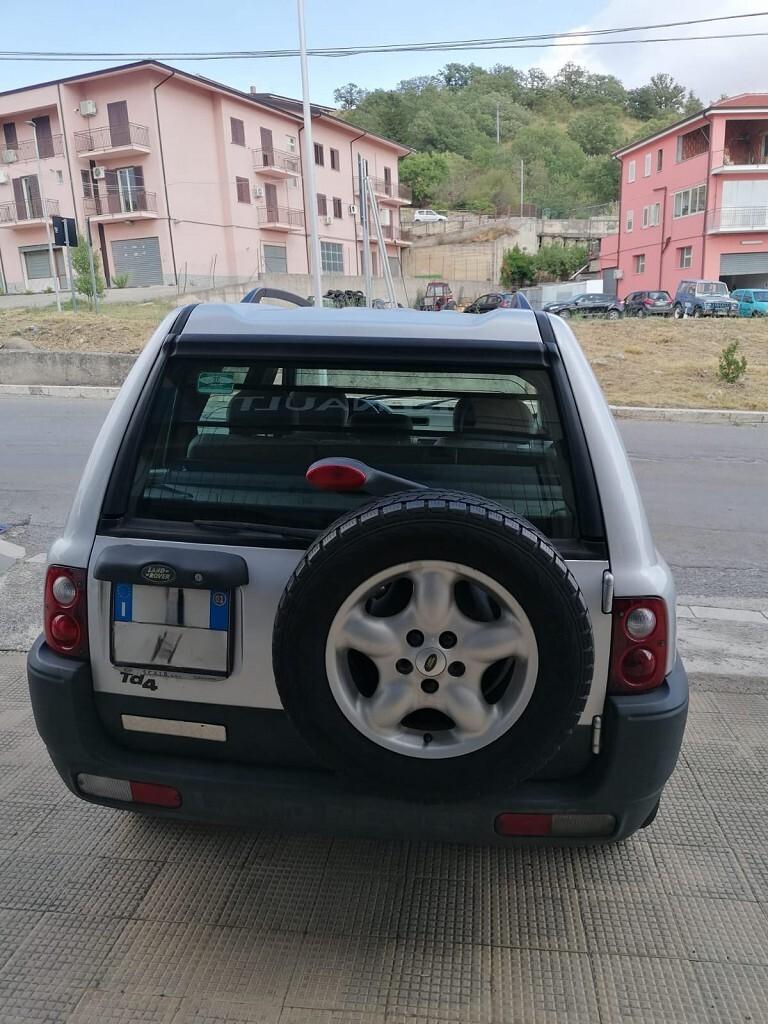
x=139, y=679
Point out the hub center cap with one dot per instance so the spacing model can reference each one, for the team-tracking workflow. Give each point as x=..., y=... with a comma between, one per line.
x=430, y=662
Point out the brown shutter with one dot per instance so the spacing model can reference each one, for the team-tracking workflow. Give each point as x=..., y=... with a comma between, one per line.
x=33, y=188
x=87, y=181
x=267, y=147
x=113, y=193
x=322, y=205
x=9, y=135
x=119, y=126
x=44, y=137
x=270, y=196
x=336, y=208
x=388, y=181
x=319, y=155
x=335, y=163
x=18, y=196
x=237, y=129
x=140, y=197
x=243, y=190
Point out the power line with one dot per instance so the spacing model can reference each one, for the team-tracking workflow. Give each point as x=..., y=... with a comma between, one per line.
x=549, y=39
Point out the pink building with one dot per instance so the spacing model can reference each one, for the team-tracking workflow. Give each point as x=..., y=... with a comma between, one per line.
x=182, y=178
x=694, y=201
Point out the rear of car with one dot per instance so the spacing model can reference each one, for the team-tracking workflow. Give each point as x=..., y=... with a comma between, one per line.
x=323, y=566
x=648, y=303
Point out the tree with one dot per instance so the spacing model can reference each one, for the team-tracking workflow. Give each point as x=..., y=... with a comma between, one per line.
x=517, y=268
x=572, y=81
x=349, y=96
x=600, y=179
x=668, y=95
x=597, y=130
x=425, y=173
x=692, y=104
x=459, y=76
x=560, y=261
x=81, y=267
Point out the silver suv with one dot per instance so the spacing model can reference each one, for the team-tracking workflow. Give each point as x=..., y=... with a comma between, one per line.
x=356, y=571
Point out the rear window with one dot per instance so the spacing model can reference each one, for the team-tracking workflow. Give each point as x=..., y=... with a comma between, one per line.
x=760, y=296
x=659, y=295
x=233, y=442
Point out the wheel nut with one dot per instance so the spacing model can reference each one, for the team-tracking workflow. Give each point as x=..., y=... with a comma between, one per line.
x=447, y=639
x=403, y=666
x=456, y=668
x=429, y=685
x=415, y=637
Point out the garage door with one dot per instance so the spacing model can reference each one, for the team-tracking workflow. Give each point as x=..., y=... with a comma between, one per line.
x=139, y=259
x=743, y=263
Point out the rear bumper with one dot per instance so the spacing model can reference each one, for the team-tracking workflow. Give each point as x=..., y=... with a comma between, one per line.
x=642, y=737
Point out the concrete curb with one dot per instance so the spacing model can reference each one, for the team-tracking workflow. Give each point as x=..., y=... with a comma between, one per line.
x=58, y=391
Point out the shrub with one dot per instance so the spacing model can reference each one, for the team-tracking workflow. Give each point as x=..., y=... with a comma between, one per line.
x=119, y=280
x=732, y=366
x=517, y=268
x=81, y=267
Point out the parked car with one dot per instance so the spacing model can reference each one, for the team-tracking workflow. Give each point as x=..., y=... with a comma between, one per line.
x=427, y=217
x=703, y=298
x=437, y=296
x=752, y=301
x=648, y=304
x=589, y=304
x=498, y=300
x=342, y=572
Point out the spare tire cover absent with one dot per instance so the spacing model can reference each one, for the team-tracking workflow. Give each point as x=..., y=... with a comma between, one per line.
x=433, y=643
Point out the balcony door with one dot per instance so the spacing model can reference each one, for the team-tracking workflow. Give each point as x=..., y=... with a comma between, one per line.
x=44, y=136
x=119, y=126
x=270, y=197
x=267, y=147
x=26, y=194
x=125, y=190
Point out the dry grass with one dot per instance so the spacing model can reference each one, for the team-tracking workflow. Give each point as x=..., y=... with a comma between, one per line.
x=638, y=362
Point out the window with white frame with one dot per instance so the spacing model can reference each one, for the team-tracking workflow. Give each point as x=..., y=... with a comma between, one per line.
x=332, y=257
x=652, y=215
x=690, y=201
x=631, y=171
x=685, y=257
x=640, y=263
x=647, y=165
x=290, y=142
x=630, y=222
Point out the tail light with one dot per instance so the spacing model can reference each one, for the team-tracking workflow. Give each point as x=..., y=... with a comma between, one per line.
x=128, y=791
x=639, y=644
x=647, y=302
x=66, y=613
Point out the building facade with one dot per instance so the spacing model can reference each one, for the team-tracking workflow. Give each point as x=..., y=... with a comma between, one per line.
x=694, y=202
x=182, y=179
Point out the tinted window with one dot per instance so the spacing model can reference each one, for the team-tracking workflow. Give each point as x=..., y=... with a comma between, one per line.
x=234, y=442
x=760, y=296
x=659, y=295
x=711, y=288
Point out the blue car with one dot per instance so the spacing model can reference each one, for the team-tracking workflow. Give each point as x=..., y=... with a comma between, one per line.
x=703, y=298
x=752, y=301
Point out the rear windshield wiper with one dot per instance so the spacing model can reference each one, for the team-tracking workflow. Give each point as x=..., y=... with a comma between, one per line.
x=267, y=529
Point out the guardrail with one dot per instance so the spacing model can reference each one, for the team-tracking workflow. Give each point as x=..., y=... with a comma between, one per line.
x=112, y=137
x=30, y=209
x=280, y=215
x=738, y=218
x=114, y=201
x=383, y=187
x=23, y=152
x=267, y=159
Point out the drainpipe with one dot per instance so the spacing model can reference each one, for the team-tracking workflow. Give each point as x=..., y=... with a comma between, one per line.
x=66, y=154
x=706, y=215
x=664, y=241
x=165, y=182
x=621, y=217
x=352, y=166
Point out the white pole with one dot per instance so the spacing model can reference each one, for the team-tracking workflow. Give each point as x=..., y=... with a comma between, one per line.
x=362, y=177
x=498, y=127
x=310, y=191
x=44, y=212
x=522, y=185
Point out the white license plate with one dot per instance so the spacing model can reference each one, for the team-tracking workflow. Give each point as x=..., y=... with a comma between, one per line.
x=174, y=629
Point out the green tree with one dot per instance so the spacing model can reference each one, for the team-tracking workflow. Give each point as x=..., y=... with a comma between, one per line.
x=600, y=179
x=425, y=173
x=668, y=95
x=560, y=261
x=348, y=96
x=597, y=130
x=692, y=104
x=459, y=76
x=517, y=268
x=82, y=270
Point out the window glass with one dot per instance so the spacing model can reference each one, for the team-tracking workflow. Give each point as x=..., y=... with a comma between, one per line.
x=332, y=257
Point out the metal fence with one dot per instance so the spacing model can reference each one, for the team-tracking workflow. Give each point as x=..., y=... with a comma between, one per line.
x=112, y=137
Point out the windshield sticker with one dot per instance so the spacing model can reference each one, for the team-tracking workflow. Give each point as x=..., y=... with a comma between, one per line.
x=215, y=383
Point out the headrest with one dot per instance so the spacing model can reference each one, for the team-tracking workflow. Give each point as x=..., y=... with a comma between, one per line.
x=497, y=414
x=374, y=419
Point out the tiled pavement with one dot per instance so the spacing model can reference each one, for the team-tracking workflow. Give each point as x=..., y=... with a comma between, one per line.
x=110, y=919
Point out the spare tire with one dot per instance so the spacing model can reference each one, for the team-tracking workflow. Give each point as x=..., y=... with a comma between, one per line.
x=433, y=643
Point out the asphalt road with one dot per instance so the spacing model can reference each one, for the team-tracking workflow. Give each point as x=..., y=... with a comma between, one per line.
x=704, y=488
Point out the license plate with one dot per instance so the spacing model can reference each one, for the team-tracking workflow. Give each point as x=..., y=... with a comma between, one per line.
x=171, y=629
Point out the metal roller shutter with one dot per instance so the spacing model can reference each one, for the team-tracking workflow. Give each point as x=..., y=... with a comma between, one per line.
x=743, y=263
x=139, y=258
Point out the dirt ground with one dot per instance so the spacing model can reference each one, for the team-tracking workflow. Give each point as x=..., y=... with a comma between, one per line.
x=638, y=362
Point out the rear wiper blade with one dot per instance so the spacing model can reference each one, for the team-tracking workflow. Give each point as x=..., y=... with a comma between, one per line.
x=268, y=529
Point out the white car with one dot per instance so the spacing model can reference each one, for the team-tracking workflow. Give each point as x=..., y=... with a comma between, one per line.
x=362, y=571
x=427, y=217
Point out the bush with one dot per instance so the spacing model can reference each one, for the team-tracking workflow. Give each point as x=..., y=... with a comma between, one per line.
x=732, y=366
x=82, y=270
x=517, y=268
x=119, y=280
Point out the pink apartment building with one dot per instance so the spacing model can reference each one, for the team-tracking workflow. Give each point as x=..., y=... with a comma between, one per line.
x=182, y=178
x=694, y=202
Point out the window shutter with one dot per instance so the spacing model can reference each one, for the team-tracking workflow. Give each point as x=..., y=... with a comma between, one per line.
x=237, y=129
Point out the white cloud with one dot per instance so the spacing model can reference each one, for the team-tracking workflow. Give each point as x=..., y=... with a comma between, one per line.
x=710, y=67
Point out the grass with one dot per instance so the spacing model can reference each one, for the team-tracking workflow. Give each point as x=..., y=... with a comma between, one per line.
x=638, y=362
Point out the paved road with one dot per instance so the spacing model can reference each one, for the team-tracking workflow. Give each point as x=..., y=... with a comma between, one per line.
x=704, y=488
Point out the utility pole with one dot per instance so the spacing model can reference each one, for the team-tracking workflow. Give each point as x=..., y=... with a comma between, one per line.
x=44, y=212
x=522, y=186
x=310, y=190
x=362, y=177
x=498, y=126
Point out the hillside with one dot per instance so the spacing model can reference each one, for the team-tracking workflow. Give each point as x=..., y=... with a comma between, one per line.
x=563, y=129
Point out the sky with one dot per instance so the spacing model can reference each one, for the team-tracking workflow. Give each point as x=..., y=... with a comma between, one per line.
x=709, y=68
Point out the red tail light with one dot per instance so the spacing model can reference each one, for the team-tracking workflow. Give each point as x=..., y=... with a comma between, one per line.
x=330, y=476
x=66, y=613
x=639, y=644
x=647, y=302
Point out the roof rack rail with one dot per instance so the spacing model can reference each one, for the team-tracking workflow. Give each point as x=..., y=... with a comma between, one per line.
x=257, y=294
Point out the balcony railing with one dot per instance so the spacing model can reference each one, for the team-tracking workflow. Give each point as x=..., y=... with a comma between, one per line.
x=266, y=160
x=738, y=218
x=120, y=202
x=27, y=210
x=23, y=152
x=124, y=136
x=390, y=189
x=280, y=216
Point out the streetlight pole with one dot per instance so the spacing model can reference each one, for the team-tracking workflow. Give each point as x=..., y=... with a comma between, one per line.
x=498, y=126
x=309, y=165
x=522, y=186
x=44, y=212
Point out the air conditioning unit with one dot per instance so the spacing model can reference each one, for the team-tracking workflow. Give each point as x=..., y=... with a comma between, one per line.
x=10, y=156
x=328, y=220
x=352, y=209
x=618, y=274
x=258, y=192
x=99, y=173
x=88, y=108
x=4, y=179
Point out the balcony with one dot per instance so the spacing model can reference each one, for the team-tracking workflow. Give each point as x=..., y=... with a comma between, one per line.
x=280, y=218
x=121, y=140
x=28, y=213
x=117, y=204
x=24, y=152
x=275, y=163
x=745, y=150
x=390, y=192
x=736, y=219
